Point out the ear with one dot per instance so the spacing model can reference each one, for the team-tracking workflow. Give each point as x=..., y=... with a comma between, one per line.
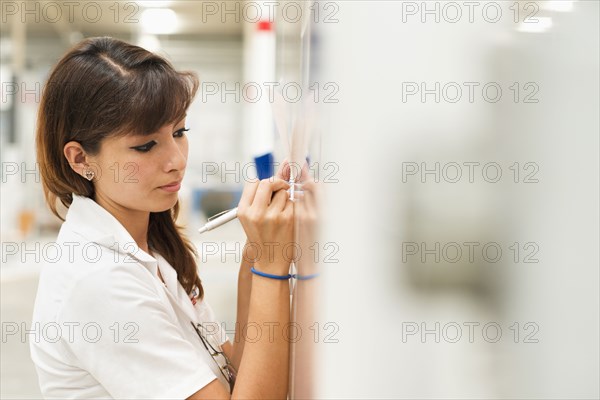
x=77, y=157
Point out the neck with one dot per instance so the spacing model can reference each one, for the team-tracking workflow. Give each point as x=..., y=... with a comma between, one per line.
x=134, y=221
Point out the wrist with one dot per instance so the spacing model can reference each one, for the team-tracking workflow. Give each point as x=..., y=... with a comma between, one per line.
x=284, y=277
x=273, y=268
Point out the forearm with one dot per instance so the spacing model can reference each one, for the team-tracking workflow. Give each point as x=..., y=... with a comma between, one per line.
x=263, y=371
x=243, y=305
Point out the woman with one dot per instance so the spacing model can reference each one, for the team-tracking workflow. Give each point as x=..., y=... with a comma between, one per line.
x=121, y=309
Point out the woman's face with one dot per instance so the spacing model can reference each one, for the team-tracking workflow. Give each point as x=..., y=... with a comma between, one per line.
x=141, y=173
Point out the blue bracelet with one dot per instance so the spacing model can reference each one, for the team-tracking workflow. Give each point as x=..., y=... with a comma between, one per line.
x=264, y=274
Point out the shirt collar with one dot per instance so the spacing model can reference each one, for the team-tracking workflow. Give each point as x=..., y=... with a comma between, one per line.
x=96, y=224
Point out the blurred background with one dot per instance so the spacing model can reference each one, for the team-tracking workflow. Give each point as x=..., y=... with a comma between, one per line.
x=456, y=146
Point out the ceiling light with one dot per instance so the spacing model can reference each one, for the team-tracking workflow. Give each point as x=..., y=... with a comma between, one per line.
x=159, y=21
x=149, y=42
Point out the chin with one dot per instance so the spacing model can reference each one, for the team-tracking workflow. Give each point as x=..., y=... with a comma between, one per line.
x=165, y=204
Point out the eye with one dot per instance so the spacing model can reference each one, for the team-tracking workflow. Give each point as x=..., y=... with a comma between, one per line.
x=180, y=132
x=145, y=147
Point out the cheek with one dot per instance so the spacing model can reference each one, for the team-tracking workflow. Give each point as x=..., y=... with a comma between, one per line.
x=138, y=172
x=184, y=147
x=123, y=177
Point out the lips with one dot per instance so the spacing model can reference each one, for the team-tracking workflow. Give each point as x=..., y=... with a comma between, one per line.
x=172, y=187
x=174, y=183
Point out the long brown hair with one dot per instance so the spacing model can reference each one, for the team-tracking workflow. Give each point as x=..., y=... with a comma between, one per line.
x=105, y=87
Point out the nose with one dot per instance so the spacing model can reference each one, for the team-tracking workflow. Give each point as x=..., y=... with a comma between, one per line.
x=175, y=156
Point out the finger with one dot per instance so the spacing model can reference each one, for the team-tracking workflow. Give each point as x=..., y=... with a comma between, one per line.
x=248, y=194
x=284, y=171
x=304, y=175
x=306, y=186
x=307, y=207
x=289, y=207
x=306, y=197
x=295, y=170
x=300, y=207
x=265, y=190
x=278, y=201
x=312, y=193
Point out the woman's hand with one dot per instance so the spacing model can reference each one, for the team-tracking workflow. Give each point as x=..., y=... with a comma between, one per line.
x=267, y=216
x=307, y=218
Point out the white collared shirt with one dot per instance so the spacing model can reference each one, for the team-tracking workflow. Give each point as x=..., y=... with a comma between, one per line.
x=105, y=326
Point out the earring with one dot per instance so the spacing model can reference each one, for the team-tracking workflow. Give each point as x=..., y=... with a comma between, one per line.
x=89, y=174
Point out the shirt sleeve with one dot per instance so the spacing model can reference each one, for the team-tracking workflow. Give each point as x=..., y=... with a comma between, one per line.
x=125, y=337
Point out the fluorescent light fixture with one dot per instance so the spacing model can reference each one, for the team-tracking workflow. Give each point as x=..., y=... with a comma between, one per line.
x=558, y=5
x=155, y=3
x=159, y=21
x=149, y=42
x=542, y=25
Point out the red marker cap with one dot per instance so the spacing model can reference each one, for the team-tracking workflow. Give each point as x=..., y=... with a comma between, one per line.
x=264, y=25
